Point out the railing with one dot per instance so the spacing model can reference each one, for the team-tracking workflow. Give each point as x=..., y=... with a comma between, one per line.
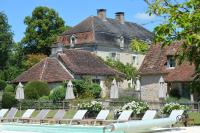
x=108, y=104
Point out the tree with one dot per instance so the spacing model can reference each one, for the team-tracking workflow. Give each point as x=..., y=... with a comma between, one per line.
x=6, y=40
x=139, y=46
x=32, y=59
x=181, y=23
x=129, y=71
x=42, y=29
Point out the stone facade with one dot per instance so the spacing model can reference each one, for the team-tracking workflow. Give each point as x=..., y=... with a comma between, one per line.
x=150, y=88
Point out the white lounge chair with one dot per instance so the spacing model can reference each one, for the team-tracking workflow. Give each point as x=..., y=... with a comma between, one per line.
x=78, y=116
x=102, y=115
x=11, y=114
x=124, y=116
x=149, y=115
x=58, y=116
x=2, y=113
x=27, y=115
x=41, y=116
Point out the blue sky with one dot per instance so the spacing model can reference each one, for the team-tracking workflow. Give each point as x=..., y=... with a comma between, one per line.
x=74, y=11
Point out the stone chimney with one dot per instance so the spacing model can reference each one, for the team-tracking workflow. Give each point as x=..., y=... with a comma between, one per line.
x=101, y=13
x=56, y=48
x=119, y=16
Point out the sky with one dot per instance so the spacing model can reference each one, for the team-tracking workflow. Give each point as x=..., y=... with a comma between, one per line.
x=74, y=11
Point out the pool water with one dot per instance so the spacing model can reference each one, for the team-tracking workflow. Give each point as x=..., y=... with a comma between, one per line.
x=26, y=128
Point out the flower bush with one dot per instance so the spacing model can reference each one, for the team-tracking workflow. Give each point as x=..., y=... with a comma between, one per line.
x=168, y=107
x=93, y=107
x=138, y=108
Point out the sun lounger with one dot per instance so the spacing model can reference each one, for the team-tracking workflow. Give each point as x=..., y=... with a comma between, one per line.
x=102, y=115
x=149, y=115
x=41, y=116
x=11, y=114
x=2, y=113
x=77, y=117
x=27, y=115
x=124, y=116
x=58, y=116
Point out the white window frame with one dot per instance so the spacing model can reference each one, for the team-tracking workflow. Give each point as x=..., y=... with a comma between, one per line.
x=73, y=42
x=168, y=62
x=136, y=59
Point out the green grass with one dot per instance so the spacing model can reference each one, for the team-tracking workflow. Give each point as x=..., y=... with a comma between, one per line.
x=68, y=114
x=195, y=116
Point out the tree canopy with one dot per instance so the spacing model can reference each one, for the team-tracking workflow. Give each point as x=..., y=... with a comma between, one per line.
x=181, y=23
x=6, y=40
x=139, y=46
x=43, y=26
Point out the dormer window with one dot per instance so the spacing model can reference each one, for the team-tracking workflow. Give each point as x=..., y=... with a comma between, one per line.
x=121, y=42
x=171, y=63
x=73, y=40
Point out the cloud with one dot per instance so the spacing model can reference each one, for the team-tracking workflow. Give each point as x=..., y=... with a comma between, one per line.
x=144, y=16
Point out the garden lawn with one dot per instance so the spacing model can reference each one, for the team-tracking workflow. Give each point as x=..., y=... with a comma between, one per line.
x=195, y=116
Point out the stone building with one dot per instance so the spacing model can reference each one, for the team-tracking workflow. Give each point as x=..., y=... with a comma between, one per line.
x=67, y=64
x=107, y=38
x=160, y=74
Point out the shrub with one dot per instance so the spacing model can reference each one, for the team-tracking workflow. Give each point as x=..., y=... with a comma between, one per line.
x=138, y=108
x=2, y=84
x=79, y=87
x=87, y=95
x=36, y=89
x=8, y=100
x=44, y=98
x=9, y=88
x=95, y=89
x=58, y=94
x=93, y=107
x=168, y=107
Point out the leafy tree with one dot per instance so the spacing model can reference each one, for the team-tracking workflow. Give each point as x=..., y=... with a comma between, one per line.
x=36, y=89
x=139, y=46
x=181, y=23
x=32, y=59
x=6, y=40
x=42, y=29
x=129, y=71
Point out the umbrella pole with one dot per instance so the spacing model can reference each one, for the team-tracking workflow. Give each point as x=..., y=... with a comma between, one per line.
x=20, y=108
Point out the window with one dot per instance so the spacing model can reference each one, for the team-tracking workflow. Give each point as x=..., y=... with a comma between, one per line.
x=97, y=81
x=113, y=55
x=171, y=62
x=72, y=40
x=134, y=59
x=121, y=42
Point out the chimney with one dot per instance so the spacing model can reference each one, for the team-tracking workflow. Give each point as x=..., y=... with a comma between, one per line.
x=56, y=48
x=101, y=13
x=119, y=16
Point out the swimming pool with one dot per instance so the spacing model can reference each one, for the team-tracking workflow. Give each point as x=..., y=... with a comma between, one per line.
x=27, y=128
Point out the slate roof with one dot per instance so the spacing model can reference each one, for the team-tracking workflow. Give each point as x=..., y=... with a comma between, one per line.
x=155, y=62
x=67, y=63
x=81, y=62
x=111, y=26
x=49, y=70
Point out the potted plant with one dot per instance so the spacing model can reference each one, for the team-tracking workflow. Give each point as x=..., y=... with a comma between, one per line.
x=93, y=107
